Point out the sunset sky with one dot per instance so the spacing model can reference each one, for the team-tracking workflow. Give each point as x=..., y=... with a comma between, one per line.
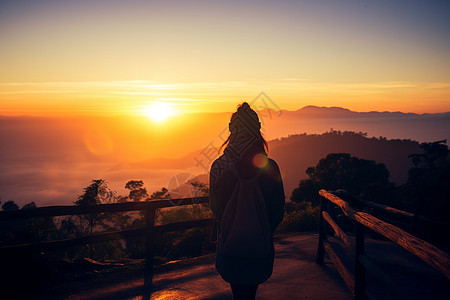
x=112, y=57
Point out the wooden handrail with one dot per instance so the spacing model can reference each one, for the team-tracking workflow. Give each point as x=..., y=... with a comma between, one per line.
x=345, y=207
x=430, y=254
x=345, y=274
x=344, y=237
x=54, y=211
x=148, y=231
x=380, y=207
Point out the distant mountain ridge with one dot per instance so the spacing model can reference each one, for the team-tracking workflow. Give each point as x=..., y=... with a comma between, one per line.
x=393, y=125
x=341, y=111
x=296, y=153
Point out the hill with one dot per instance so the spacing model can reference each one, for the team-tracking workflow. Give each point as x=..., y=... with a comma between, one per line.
x=296, y=153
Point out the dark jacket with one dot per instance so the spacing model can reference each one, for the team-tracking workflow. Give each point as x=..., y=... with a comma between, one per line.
x=222, y=183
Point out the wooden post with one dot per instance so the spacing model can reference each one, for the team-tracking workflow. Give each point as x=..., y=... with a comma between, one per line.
x=322, y=231
x=360, y=274
x=149, y=251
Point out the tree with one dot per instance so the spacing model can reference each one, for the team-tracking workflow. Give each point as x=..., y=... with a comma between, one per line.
x=426, y=191
x=161, y=194
x=435, y=155
x=137, y=190
x=10, y=205
x=361, y=177
x=39, y=229
x=200, y=189
x=96, y=193
x=9, y=231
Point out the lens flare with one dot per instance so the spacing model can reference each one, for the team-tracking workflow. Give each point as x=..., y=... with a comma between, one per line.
x=260, y=160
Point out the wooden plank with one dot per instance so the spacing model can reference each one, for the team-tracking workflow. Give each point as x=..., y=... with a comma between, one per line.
x=387, y=209
x=345, y=274
x=53, y=211
x=430, y=254
x=95, y=238
x=339, y=232
x=382, y=277
x=346, y=209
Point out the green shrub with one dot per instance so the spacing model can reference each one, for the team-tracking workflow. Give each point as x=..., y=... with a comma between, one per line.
x=299, y=217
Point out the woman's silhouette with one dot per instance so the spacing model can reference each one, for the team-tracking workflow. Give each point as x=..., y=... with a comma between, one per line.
x=245, y=159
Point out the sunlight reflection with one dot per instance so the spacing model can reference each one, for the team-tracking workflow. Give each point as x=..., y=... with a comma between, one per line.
x=171, y=295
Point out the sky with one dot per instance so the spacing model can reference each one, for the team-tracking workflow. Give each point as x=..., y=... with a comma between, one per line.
x=113, y=57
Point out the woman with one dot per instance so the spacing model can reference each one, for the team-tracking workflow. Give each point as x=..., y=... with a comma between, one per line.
x=245, y=159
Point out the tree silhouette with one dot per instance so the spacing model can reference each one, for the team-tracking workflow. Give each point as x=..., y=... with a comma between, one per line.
x=361, y=177
x=96, y=193
x=426, y=191
x=137, y=190
x=161, y=194
x=39, y=229
x=10, y=205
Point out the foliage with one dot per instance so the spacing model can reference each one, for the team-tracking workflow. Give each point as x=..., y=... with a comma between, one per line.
x=96, y=193
x=426, y=191
x=161, y=194
x=137, y=190
x=361, y=177
x=200, y=188
x=186, y=212
x=10, y=205
x=39, y=229
x=299, y=217
x=183, y=213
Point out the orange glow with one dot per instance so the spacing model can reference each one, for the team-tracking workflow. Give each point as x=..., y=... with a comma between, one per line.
x=98, y=142
x=260, y=160
x=101, y=98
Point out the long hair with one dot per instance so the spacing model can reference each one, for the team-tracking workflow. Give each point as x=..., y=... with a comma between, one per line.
x=245, y=120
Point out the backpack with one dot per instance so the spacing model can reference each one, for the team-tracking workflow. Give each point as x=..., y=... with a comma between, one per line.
x=244, y=230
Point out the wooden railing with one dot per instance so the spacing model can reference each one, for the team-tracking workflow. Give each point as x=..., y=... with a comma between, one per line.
x=148, y=230
x=356, y=281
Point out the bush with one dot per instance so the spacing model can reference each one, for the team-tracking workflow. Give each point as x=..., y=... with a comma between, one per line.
x=299, y=217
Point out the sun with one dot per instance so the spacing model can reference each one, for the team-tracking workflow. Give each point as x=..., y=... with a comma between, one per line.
x=159, y=111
